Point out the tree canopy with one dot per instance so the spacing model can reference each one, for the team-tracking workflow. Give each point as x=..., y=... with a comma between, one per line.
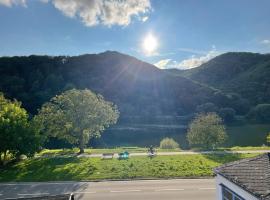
x=76, y=116
x=207, y=131
x=147, y=90
x=17, y=134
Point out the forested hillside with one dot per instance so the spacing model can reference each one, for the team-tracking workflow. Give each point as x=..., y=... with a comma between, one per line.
x=150, y=100
x=247, y=74
x=136, y=87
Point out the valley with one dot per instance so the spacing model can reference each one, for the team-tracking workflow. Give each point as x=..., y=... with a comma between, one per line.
x=153, y=103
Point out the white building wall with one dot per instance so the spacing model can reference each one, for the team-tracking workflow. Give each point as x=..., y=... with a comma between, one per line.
x=236, y=189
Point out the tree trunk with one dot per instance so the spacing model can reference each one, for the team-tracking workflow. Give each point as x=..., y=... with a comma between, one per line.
x=81, y=145
x=4, y=158
x=81, y=150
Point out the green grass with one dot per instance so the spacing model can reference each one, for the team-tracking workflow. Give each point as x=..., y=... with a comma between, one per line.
x=73, y=168
x=59, y=152
x=249, y=148
x=55, y=152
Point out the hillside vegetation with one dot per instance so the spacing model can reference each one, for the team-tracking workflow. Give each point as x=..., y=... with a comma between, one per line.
x=153, y=103
x=136, y=87
x=246, y=74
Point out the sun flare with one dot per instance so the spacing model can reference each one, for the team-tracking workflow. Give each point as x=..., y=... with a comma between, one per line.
x=150, y=44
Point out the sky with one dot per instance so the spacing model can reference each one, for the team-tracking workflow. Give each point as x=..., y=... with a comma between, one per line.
x=167, y=33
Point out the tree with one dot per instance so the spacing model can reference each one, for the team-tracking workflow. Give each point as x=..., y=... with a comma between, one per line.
x=76, y=116
x=17, y=135
x=168, y=143
x=207, y=131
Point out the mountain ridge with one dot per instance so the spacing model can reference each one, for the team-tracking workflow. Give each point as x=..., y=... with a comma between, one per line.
x=137, y=87
x=244, y=73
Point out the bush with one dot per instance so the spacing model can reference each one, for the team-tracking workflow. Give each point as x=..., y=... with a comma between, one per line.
x=168, y=143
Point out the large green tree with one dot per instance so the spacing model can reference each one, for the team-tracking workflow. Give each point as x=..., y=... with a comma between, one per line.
x=207, y=131
x=17, y=135
x=76, y=116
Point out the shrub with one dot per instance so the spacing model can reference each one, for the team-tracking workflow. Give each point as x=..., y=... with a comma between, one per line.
x=168, y=143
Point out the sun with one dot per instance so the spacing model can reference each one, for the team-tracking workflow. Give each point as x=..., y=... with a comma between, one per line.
x=150, y=44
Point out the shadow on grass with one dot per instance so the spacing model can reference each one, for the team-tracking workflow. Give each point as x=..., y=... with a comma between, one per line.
x=47, y=169
x=223, y=158
x=58, y=152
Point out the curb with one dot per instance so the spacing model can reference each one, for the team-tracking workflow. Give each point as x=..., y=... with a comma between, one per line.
x=112, y=180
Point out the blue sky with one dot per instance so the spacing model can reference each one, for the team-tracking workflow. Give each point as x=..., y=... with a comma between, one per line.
x=187, y=32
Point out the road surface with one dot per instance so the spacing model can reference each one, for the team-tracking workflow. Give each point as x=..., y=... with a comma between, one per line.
x=176, y=189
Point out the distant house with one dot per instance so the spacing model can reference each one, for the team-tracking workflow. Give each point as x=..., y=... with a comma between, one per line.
x=247, y=179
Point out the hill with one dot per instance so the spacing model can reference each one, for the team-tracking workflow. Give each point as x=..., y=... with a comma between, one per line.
x=246, y=74
x=136, y=87
x=150, y=100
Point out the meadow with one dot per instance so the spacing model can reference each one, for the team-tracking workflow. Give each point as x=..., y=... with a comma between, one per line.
x=92, y=169
x=59, y=152
x=68, y=152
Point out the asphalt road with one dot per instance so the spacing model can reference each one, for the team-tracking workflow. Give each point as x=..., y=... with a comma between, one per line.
x=185, y=189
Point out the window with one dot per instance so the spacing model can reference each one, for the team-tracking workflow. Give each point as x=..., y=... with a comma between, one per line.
x=228, y=194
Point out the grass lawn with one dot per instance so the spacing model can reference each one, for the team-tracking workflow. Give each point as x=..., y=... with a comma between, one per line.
x=73, y=168
x=237, y=148
x=55, y=152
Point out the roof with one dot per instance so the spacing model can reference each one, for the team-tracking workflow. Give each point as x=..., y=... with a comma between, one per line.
x=251, y=174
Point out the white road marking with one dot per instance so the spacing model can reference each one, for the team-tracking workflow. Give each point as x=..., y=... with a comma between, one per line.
x=207, y=188
x=1, y=194
x=34, y=194
x=175, y=189
x=118, y=191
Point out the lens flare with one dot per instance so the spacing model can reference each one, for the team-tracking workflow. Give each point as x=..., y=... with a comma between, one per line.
x=150, y=44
